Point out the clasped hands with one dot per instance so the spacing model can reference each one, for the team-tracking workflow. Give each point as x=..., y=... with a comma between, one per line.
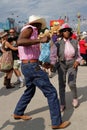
x=44, y=39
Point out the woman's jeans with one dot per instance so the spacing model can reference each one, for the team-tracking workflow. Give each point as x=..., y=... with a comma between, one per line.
x=34, y=76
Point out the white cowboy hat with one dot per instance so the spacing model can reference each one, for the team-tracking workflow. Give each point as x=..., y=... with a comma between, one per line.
x=37, y=19
x=84, y=33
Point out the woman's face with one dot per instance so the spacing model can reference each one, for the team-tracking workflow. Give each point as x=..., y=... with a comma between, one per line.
x=66, y=33
x=5, y=37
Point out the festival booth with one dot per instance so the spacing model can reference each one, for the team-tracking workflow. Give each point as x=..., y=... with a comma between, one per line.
x=55, y=25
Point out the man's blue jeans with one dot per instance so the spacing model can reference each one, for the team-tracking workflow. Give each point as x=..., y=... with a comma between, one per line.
x=34, y=76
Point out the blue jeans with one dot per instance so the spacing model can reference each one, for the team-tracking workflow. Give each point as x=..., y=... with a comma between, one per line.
x=34, y=76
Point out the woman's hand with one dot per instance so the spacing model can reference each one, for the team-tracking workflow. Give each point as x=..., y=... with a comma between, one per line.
x=76, y=63
x=44, y=39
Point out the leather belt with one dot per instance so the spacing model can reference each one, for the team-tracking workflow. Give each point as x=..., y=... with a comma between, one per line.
x=30, y=61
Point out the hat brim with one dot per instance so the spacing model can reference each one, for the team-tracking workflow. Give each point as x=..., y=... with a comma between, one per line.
x=41, y=20
x=61, y=30
x=4, y=34
x=83, y=36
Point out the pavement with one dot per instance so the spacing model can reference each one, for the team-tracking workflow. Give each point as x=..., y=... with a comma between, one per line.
x=38, y=107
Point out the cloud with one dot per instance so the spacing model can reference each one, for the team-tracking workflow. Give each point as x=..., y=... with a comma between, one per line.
x=52, y=9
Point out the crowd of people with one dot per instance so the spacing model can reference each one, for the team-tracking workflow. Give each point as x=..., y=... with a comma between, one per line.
x=9, y=42
x=41, y=53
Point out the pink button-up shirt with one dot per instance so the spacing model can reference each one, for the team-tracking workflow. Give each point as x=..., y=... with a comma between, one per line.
x=29, y=52
x=69, y=51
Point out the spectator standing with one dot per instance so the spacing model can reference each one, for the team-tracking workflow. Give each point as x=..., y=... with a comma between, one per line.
x=16, y=65
x=6, y=46
x=83, y=45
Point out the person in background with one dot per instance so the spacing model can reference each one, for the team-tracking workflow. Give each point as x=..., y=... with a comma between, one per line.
x=68, y=60
x=6, y=46
x=0, y=47
x=44, y=57
x=74, y=35
x=53, y=50
x=83, y=46
x=0, y=50
x=16, y=65
x=13, y=34
x=29, y=51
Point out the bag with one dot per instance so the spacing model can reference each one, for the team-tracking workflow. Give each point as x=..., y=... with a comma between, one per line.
x=6, y=61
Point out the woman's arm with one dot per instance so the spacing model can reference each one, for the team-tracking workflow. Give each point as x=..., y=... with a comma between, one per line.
x=8, y=45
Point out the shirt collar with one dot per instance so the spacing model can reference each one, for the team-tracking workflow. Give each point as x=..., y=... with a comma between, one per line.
x=66, y=40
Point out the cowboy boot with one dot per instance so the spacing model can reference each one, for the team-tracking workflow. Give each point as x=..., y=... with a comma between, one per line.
x=8, y=84
x=5, y=80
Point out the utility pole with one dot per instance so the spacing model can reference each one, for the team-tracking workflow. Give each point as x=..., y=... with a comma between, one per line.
x=78, y=27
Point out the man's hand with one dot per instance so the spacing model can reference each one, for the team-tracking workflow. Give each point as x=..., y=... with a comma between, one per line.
x=76, y=63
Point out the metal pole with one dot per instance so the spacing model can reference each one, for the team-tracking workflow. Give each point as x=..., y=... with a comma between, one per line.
x=78, y=28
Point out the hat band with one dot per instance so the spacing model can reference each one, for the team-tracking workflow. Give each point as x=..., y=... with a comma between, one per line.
x=66, y=29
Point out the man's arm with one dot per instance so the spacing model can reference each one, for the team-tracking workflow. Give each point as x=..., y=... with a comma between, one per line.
x=24, y=38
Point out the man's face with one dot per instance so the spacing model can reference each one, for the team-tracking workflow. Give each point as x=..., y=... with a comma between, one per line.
x=38, y=25
x=12, y=32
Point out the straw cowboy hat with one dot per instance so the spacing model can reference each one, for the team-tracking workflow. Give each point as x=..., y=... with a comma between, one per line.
x=4, y=34
x=83, y=36
x=37, y=19
x=64, y=26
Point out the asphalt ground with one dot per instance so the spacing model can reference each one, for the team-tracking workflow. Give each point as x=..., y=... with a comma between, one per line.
x=38, y=107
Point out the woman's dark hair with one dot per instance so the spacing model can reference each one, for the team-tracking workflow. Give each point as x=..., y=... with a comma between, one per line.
x=10, y=39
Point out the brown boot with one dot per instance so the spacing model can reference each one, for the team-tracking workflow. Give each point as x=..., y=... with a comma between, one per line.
x=23, y=117
x=8, y=84
x=62, y=125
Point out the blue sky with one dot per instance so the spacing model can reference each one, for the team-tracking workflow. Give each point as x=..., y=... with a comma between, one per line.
x=49, y=9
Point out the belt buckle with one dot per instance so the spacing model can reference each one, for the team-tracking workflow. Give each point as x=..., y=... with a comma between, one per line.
x=29, y=61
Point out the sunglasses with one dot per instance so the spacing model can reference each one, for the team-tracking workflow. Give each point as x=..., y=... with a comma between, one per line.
x=11, y=32
x=66, y=29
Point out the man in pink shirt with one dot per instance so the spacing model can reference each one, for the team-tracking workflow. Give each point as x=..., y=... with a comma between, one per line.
x=29, y=51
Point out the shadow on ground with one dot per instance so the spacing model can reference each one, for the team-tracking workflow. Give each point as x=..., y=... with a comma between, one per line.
x=34, y=124
x=82, y=96
x=39, y=123
x=6, y=92
x=1, y=74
